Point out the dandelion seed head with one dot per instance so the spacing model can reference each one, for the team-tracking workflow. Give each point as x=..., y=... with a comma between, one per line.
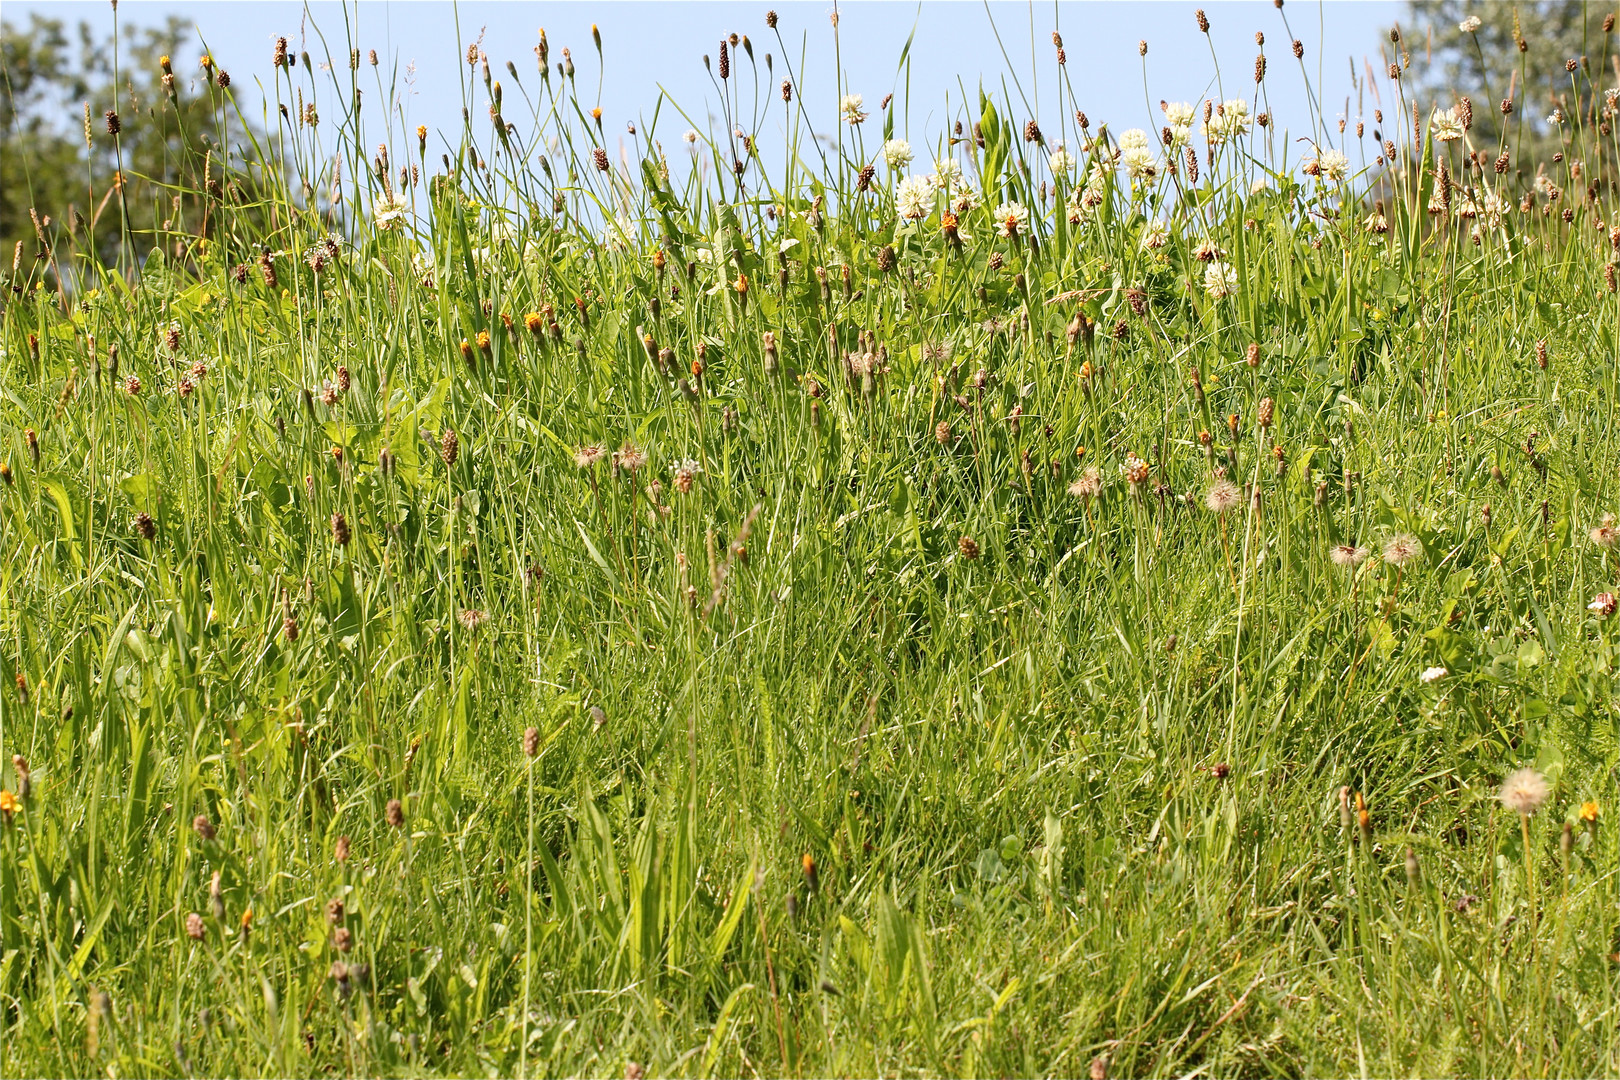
x=1523, y=791
x=1088, y=485
x=1223, y=495
x=1348, y=556
x=1402, y=549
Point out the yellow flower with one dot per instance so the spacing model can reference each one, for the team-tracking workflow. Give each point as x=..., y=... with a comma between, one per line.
x=1589, y=810
x=8, y=804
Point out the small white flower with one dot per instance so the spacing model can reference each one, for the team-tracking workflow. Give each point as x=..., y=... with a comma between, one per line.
x=1139, y=163
x=1179, y=114
x=1156, y=235
x=1258, y=186
x=914, y=197
x=1229, y=120
x=691, y=137
x=1556, y=118
x=1431, y=674
x=947, y=173
x=1134, y=139
x=1096, y=185
x=850, y=106
x=1220, y=280
x=390, y=210
x=964, y=201
x=897, y=153
x=1061, y=161
x=1011, y=219
x=1470, y=24
x=1334, y=164
x=1446, y=125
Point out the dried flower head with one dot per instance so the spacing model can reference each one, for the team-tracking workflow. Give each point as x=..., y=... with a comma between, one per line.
x=1088, y=485
x=1401, y=549
x=683, y=474
x=1348, y=556
x=1523, y=791
x=1223, y=495
x=1605, y=532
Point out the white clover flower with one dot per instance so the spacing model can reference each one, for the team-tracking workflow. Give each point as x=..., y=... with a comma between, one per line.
x=1096, y=180
x=897, y=153
x=1229, y=120
x=1470, y=24
x=1333, y=163
x=1134, y=139
x=1155, y=235
x=1492, y=207
x=947, y=173
x=1139, y=163
x=1179, y=114
x=1012, y=219
x=964, y=201
x=1431, y=674
x=390, y=210
x=1445, y=125
x=1061, y=161
x=1259, y=186
x=620, y=232
x=850, y=107
x=1556, y=118
x=1220, y=280
x=691, y=138
x=914, y=198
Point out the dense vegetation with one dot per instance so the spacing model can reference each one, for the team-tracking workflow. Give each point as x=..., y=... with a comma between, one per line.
x=1056, y=600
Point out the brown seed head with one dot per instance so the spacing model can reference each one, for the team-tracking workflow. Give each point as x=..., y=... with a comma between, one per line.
x=395, y=814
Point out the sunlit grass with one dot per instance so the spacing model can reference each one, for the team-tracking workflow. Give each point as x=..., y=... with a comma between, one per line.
x=728, y=611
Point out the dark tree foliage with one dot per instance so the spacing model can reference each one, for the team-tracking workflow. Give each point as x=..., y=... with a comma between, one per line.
x=1520, y=51
x=181, y=146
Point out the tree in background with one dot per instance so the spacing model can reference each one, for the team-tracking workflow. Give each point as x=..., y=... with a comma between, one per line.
x=72, y=121
x=1492, y=52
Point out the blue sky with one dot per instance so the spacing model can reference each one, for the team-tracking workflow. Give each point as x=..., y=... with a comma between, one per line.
x=652, y=46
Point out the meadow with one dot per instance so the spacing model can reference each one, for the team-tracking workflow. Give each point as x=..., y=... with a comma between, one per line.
x=1043, y=600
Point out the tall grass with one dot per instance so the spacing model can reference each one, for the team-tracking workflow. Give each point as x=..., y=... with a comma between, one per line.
x=530, y=611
